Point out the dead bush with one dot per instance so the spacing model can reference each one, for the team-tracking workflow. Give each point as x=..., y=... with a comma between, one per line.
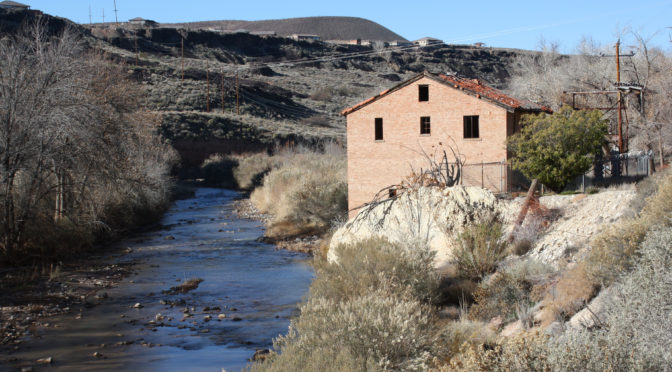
x=525, y=352
x=455, y=334
x=395, y=332
x=377, y=264
x=526, y=235
x=498, y=296
x=323, y=359
x=305, y=193
x=251, y=169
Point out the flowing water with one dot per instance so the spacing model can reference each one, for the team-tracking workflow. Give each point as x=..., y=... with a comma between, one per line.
x=255, y=287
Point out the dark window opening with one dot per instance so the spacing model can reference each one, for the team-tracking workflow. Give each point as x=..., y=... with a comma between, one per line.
x=379, y=129
x=423, y=92
x=392, y=193
x=425, y=125
x=471, y=126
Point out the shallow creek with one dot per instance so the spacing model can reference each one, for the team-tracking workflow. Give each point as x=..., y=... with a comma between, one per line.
x=250, y=288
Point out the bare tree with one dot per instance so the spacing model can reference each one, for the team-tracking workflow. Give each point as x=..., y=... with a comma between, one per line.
x=543, y=77
x=72, y=139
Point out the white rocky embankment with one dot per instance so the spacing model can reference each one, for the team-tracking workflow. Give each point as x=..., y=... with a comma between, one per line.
x=579, y=218
x=436, y=215
x=428, y=214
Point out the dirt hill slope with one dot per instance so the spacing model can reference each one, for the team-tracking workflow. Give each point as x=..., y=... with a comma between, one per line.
x=328, y=28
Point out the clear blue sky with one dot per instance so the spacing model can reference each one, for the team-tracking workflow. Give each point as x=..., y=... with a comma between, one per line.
x=514, y=24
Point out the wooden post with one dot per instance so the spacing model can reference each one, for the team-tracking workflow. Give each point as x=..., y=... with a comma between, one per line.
x=621, y=148
x=237, y=95
x=207, y=82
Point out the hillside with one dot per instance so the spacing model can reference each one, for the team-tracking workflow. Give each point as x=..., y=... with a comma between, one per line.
x=328, y=28
x=289, y=91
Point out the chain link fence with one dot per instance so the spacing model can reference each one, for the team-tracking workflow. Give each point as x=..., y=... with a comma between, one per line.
x=495, y=177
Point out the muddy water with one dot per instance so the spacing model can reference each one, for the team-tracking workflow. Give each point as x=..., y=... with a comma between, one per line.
x=254, y=286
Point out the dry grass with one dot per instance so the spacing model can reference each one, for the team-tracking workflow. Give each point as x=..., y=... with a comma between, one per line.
x=571, y=293
x=454, y=335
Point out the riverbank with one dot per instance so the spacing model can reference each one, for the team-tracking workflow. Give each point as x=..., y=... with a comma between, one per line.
x=29, y=297
x=245, y=209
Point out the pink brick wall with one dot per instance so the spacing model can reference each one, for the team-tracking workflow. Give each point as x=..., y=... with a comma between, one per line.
x=373, y=165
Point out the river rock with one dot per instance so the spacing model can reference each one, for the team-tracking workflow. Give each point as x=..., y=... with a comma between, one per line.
x=429, y=214
x=221, y=316
x=138, y=305
x=260, y=355
x=48, y=360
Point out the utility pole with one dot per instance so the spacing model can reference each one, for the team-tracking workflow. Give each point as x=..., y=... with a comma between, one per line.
x=620, y=97
x=237, y=95
x=135, y=39
x=116, y=19
x=103, y=15
x=182, y=57
x=619, y=89
x=90, y=21
x=222, y=91
x=207, y=82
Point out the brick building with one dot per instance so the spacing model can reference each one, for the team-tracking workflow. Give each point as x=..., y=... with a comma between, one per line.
x=389, y=134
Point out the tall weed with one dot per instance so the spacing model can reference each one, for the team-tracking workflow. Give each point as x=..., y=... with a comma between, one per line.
x=479, y=249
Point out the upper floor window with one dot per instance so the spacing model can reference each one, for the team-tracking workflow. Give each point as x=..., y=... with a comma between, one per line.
x=425, y=125
x=471, y=126
x=423, y=93
x=379, y=129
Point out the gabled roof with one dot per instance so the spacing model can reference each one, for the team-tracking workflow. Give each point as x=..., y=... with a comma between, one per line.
x=14, y=4
x=473, y=87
